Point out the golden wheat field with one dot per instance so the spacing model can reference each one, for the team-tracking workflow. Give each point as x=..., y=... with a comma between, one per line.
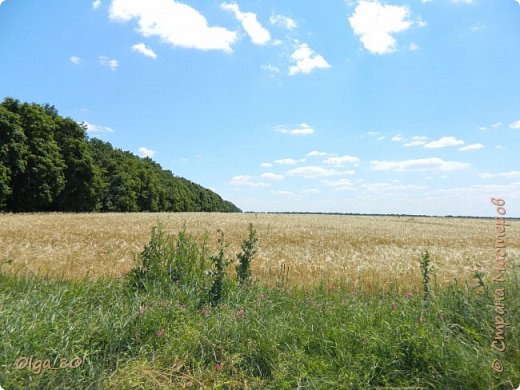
x=361, y=252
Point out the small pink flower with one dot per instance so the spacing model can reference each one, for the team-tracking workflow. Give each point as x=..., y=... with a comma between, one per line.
x=160, y=333
x=394, y=305
x=330, y=286
x=218, y=367
x=241, y=314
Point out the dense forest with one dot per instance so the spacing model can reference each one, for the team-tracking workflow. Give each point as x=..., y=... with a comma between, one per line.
x=48, y=163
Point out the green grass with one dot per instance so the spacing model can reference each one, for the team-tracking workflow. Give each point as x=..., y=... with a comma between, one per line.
x=326, y=338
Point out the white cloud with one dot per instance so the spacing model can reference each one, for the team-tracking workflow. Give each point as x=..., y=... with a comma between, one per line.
x=340, y=184
x=311, y=172
x=145, y=152
x=375, y=22
x=515, y=125
x=338, y=160
x=271, y=176
x=303, y=129
x=305, y=60
x=288, y=161
x=417, y=141
x=373, y=133
x=518, y=1
x=418, y=165
x=482, y=128
x=1, y=1
x=413, y=46
x=421, y=23
x=270, y=68
x=146, y=51
x=311, y=191
x=246, y=181
x=75, y=60
x=92, y=128
x=498, y=124
x=509, y=175
x=397, y=138
x=266, y=165
x=175, y=23
x=380, y=188
x=287, y=193
x=109, y=63
x=258, y=34
x=471, y=147
x=96, y=4
x=284, y=21
x=315, y=153
x=444, y=142
x=462, y=1
x=380, y=138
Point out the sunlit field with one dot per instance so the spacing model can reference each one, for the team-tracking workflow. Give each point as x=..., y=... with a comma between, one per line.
x=358, y=252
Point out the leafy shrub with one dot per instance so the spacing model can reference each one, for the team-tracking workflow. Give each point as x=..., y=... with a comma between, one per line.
x=249, y=249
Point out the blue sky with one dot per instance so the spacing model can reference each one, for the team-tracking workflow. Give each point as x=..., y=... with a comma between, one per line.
x=404, y=106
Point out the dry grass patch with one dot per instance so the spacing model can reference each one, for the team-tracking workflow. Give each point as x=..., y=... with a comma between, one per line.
x=364, y=253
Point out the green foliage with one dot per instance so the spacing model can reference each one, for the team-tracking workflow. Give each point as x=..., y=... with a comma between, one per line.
x=425, y=273
x=218, y=273
x=172, y=265
x=256, y=338
x=47, y=163
x=249, y=249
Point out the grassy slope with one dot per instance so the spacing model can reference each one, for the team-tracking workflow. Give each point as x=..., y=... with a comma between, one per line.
x=257, y=338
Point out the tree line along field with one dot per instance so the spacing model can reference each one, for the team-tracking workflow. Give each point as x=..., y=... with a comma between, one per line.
x=48, y=163
x=360, y=252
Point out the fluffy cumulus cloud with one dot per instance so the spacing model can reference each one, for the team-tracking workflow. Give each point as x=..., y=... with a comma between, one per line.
x=145, y=152
x=302, y=129
x=144, y=50
x=271, y=176
x=515, y=125
x=258, y=34
x=463, y=1
x=468, y=148
x=417, y=140
x=75, y=60
x=312, y=172
x=284, y=21
x=96, y=4
x=375, y=23
x=339, y=160
x=444, y=142
x=419, y=165
x=288, y=161
x=108, y=62
x=1, y=1
x=340, y=184
x=306, y=60
x=508, y=175
x=316, y=153
x=247, y=181
x=270, y=68
x=92, y=128
x=173, y=22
